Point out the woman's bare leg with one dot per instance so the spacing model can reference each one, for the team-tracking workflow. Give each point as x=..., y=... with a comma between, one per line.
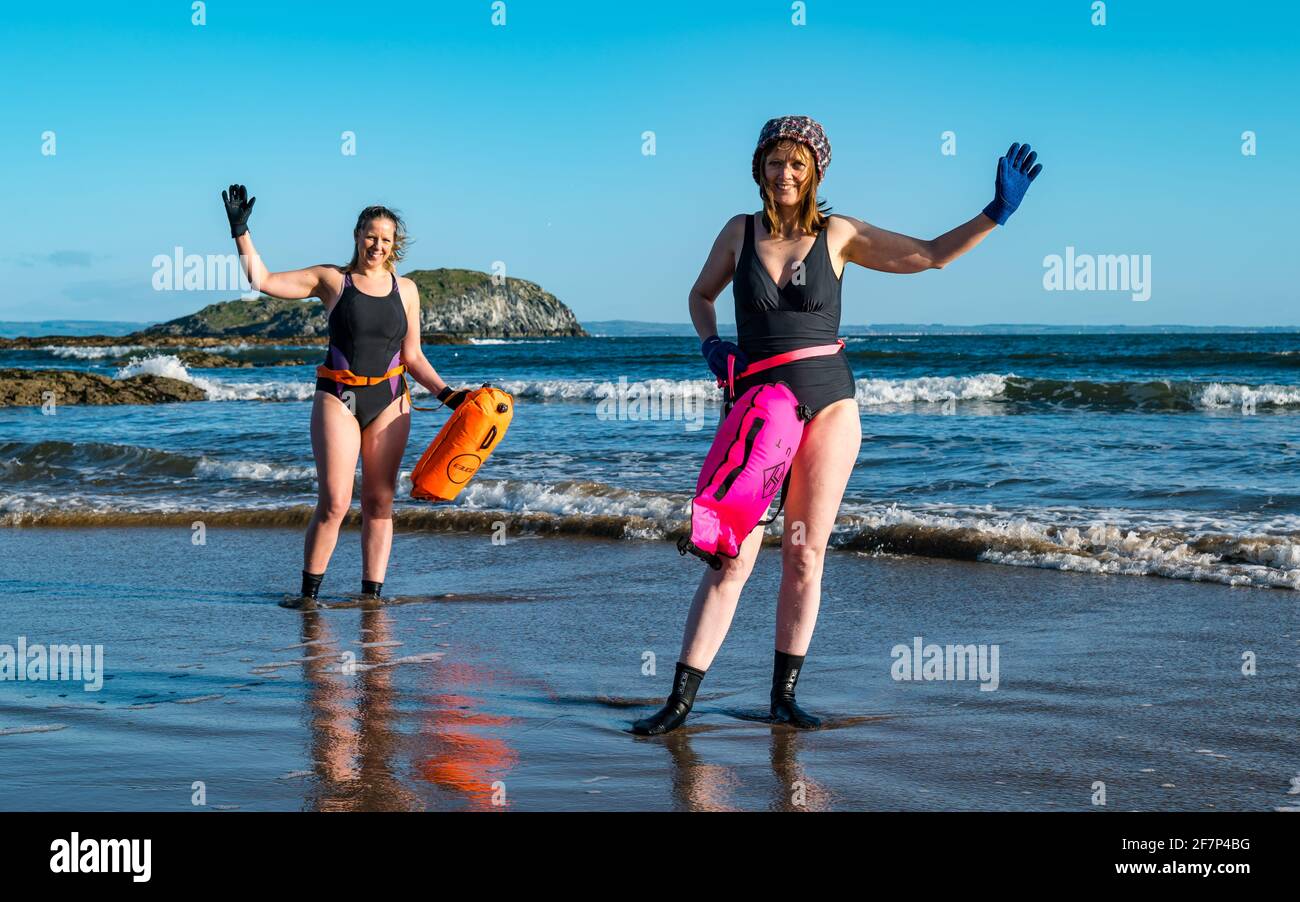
x=335, y=442
x=382, y=446
x=818, y=477
x=715, y=603
x=706, y=627
x=712, y=608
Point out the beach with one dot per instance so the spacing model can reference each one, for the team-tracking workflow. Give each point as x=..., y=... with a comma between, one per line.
x=504, y=676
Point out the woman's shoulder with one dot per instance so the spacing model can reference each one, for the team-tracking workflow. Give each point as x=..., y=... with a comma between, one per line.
x=407, y=288
x=838, y=224
x=736, y=224
x=331, y=275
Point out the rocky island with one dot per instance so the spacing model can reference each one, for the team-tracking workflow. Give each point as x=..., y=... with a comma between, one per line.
x=456, y=305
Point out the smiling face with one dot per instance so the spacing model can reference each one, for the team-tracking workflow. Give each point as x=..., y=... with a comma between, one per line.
x=788, y=170
x=375, y=242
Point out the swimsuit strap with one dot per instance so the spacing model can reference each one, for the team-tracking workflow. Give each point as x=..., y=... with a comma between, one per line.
x=347, y=281
x=747, y=246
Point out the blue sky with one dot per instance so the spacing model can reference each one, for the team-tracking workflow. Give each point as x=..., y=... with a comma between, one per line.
x=523, y=143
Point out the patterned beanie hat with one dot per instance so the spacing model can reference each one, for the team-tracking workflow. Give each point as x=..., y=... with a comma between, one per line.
x=798, y=128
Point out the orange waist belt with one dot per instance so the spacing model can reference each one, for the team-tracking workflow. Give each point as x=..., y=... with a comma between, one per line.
x=347, y=377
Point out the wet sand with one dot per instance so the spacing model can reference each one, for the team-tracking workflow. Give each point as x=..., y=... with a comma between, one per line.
x=503, y=677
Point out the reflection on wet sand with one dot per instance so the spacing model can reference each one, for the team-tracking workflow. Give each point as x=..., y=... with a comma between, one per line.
x=700, y=786
x=795, y=790
x=357, y=747
x=354, y=764
x=455, y=756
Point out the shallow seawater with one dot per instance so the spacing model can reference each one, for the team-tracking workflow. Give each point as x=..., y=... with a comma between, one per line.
x=1165, y=455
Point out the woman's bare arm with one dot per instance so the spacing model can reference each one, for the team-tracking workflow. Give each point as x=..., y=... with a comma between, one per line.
x=715, y=275
x=886, y=251
x=294, y=285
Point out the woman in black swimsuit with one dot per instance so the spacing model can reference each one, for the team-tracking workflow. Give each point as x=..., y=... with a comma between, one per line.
x=361, y=408
x=786, y=265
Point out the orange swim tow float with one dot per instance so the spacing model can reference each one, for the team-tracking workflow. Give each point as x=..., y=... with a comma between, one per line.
x=470, y=434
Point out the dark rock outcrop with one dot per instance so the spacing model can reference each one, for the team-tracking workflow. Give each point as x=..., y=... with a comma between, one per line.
x=208, y=360
x=27, y=388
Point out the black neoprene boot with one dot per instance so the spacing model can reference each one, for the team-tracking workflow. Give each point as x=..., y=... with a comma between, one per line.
x=785, y=674
x=371, y=589
x=686, y=682
x=310, y=589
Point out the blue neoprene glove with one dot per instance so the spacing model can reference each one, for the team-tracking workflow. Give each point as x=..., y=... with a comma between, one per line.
x=715, y=351
x=1014, y=175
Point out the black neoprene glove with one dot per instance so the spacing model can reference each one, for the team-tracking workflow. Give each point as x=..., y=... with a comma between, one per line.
x=453, y=398
x=238, y=208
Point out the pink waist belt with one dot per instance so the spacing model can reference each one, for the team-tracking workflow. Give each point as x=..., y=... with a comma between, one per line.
x=775, y=360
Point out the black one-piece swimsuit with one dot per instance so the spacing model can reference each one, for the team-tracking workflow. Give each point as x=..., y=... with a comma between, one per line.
x=772, y=319
x=366, y=335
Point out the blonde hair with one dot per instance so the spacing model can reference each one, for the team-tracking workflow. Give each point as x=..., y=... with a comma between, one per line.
x=813, y=213
x=400, y=238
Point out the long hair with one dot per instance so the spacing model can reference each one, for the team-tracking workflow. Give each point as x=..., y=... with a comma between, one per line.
x=400, y=238
x=812, y=213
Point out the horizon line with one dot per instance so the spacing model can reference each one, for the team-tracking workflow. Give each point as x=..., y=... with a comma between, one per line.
x=642, y=322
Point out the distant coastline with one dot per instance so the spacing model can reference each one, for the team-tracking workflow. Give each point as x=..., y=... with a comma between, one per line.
x=77, y=327
x=626, y=328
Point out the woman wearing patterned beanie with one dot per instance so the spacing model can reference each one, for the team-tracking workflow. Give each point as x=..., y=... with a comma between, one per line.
x=786, y=265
